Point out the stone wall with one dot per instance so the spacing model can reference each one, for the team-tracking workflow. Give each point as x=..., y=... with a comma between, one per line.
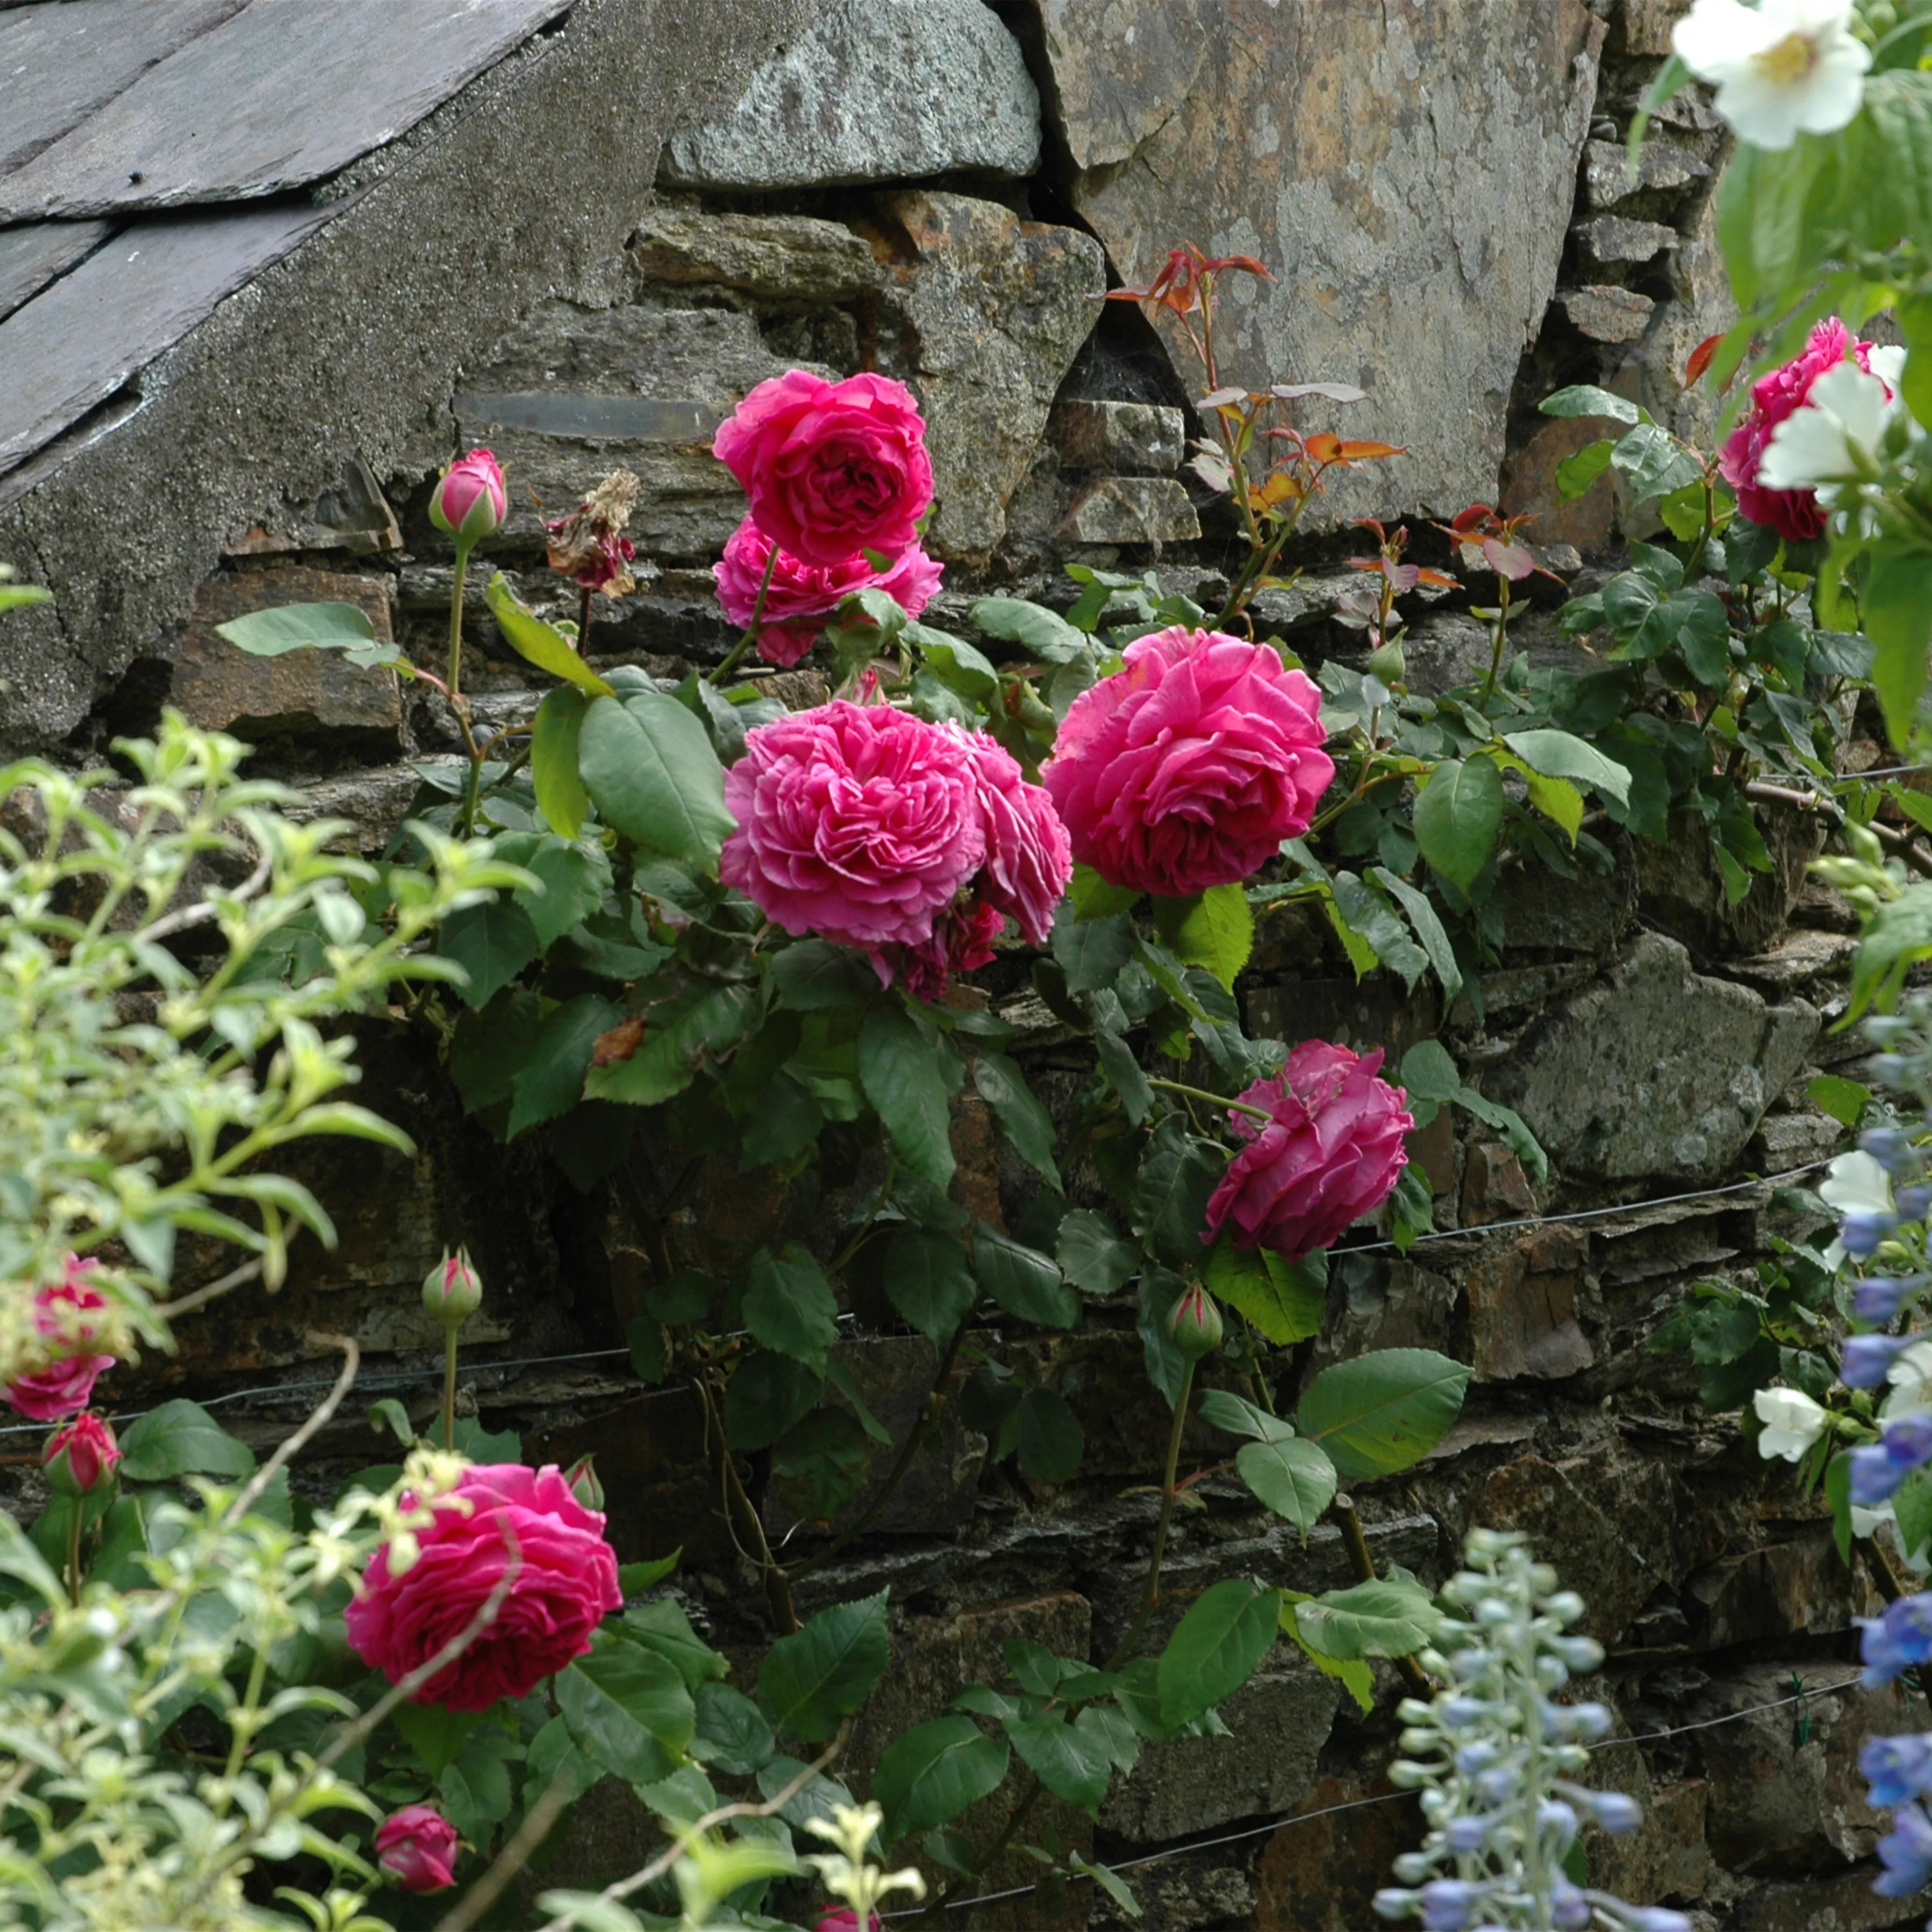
x=941, y=189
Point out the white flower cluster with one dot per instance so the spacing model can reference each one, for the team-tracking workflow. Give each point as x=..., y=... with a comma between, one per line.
x=1781, y=69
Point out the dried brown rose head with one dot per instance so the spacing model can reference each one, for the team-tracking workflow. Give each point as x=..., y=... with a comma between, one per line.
x=587, y=545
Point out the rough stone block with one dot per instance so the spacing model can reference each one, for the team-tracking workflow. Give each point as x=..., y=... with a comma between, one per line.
x=1654, y=1070
x=1319, y=1876
x=1131, y=510
x=1666, y=1857
x=313, y=695
x=779, y=257
x=1544, y=912
x=1701, y=305
x=1800, y=1587
x=1845, y=1903
x=872, y=91
x=994, y=310
x=1196, y=112
x=1522, y=1308
x=1647, y=24
x=1277, y=1723
x=1530, y=487
x=1379, y=1301
x=1664, y=165
x=1680, y=891
x=1605, y=314
x=1612, y=238
x=1121, y=439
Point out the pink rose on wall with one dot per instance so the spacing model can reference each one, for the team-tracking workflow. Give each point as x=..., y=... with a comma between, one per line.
x=832, y=468
x=516, y=1519
x=843, y=1919
x=417, y=1847
x=65, y=1384
x=801, y=597
x=1188, y=767
x=1794, y=514
x=855, y=821
x=1029, y=859
x=1331, y=1151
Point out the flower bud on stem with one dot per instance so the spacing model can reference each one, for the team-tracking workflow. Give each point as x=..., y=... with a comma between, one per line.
x=452, y=1292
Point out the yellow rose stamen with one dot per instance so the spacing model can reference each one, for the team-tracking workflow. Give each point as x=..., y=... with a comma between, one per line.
x=1790, y=60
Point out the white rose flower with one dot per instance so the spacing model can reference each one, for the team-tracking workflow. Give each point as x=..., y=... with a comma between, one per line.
x=1833, y=437
x=1792, y=1422
x=1782, y=68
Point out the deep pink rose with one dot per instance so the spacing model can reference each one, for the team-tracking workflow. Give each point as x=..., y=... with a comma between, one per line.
x=962, y=938
x=1331, y=1151
x=65, y=1385
x=1794, y=514
x=803, y=596
x=565, y=1580
x=1028, y=858
x=843, y=1919
x=91, y=1451
x=417, y=1847
x=468, y=500
x=1187, y=768
x=855, y=821
x=832, y=468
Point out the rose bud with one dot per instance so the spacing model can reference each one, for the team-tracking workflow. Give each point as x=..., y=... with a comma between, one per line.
x=451, y=1290
x=1194, y=1326
x=417, y=1847
x=468, y=500
x=582, y=1477
x=81, y=1457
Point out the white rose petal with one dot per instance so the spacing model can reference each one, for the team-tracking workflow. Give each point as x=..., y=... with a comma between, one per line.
x=1833, y=437
x=1792, y=1422
x=1856, y=1181
x=1782, y=68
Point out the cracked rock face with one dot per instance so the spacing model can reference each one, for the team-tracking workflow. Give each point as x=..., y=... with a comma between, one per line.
x=1406, y=169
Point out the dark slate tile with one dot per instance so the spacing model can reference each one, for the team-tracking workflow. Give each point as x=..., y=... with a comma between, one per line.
x=283, y=94
x=77, y=342
x=59, y=64
x=30, y=258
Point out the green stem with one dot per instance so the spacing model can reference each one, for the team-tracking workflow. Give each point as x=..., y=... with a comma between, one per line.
x=73, y=1551
x=240, y=1733
x=456, y=624
x=1124, y=1648
x=751, y=637
x=583, y=597
x=449, y=1386
x=1501, y=638
x=1213, y=1099
x=459, y=705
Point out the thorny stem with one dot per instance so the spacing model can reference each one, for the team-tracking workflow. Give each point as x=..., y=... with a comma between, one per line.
x=459, y=705
x=1213, y=1099
x=741, y=1514
x=1343, y=1509
x=752, y=630
x=449, y=1386
x=584, y=596
x=1500, y=639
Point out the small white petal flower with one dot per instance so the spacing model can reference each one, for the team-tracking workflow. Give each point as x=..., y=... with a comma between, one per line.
x=1910, y=1376
x=1887, y=365
x=1856, y=1182
x=1781, y=68
x=1792, y=1422
x=1834, y=436
x=1865, y=1521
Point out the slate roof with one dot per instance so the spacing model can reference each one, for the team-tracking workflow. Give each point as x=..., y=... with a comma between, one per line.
x=157, y=155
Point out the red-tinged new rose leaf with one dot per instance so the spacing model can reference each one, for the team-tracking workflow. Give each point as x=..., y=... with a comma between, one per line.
x=1475, y=517
x=1370, y=452
x=619, y=1043
x=1507, y=560
x=1440, y=579
x=1700, y=360
x=1246, y=264
x=1324, y=446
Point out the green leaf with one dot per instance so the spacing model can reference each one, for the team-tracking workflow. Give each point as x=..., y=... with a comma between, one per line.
x=1220, y=1409
x=789, y=1305
x=551, y=1081
x=680, y=1035
x=1383, y=1412
x=181, y=1439
x=1178, y=1174
x=909, y=1074
x=929, y=1775
x=493, y=942
x=1094, y=897
x=1897, y=608
x=732, y=1734
x=554, y=737
x=1388, y=1616
x=1043, y=632
x=1558, y=755
x=1428, y=928
x=813, y=976
x=437, y=1735
x=542, y=644
x=1428, y=1075
x=1845, y=1100
x=955, y=663
x=1585, y=399
x=1285, y=1300
x=648, y=764
x=928, y=1282
x=1025, y=1284
x=821, y=1463
x=1653, y=463
x=1357, y=1677
x=1116, y=1061
x=1215, y=1648
x=634, y=1579
x=574, y=881
x=1294, y=1478
x=1384, y=939
x=1458, y=814
x=1575, y=474
x=1091, y=952
x=811, y=1679
x=1109, y=1881
x=1071, y=1759
x=1215, y=929
x=1092, y=1256
x=1022, y=1119
x=300, y=627
x=662, y=1628
x=767, y=1394
x=21, y=1561
x=628, y=1709
x=1050, y=1441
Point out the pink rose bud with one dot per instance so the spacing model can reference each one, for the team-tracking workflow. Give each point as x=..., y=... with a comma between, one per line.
x=417, y=1847
x=451, y=1290
x=468, y=500
x=64, y=1385
x=582, y=1477
x=81, y=1457
x=1194, y=1326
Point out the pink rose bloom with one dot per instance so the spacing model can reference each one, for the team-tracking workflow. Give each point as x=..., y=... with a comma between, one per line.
x=1331, y=1152
x=468, y=500
x=856, y=822
x=1029, y=860
x=417, y=1847
x=1794, y=514
x=1188, y=768
x=803, y=596
x=565, y=1580
x=843, y=1919
x=66, y=1385
x=91, y=1453
x=831, y=468
x=962, y=938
